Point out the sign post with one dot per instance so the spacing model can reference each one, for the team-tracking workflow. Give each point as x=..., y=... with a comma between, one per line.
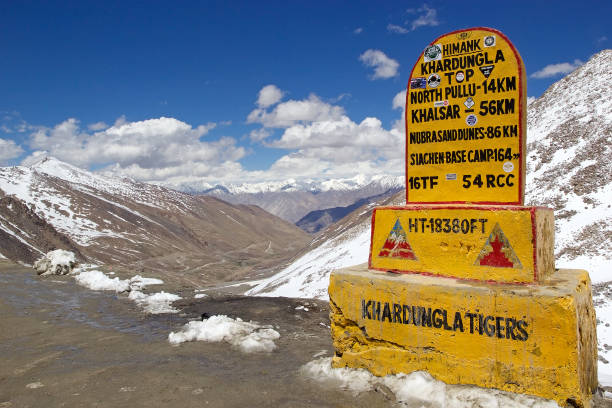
x=465, y=121
x=461, y=281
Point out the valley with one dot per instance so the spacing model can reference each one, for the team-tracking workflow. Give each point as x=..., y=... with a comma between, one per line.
x=260, y=252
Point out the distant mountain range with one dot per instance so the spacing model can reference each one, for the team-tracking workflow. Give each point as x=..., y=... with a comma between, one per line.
x=293, y=200
x=569, y=169
x=317, y=220
x=52, y=204
x=291, y=185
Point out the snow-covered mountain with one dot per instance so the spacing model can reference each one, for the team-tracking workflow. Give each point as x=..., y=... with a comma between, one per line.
x=292, y=185
x=569, y=166
x=569, y=169
x=138, y=225
x=292, y=200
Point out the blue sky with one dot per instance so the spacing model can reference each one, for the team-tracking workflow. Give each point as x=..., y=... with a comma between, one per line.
x=190, y=94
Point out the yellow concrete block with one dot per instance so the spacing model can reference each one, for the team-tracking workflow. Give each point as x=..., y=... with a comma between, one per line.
x=534, y=339
x=489, y=243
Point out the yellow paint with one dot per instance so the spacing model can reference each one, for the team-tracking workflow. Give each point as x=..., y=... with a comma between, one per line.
x=452, y=172
x=453, y=240
x=555, y=357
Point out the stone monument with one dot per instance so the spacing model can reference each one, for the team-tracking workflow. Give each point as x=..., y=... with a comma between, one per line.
x=461, y=281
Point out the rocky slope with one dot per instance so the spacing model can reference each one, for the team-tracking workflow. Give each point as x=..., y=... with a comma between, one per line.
x=141, y=226
x=25, y=236
x=569, y=145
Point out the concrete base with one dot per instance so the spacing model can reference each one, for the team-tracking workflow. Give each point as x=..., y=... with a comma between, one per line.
x=533, y=339
x=501, y=243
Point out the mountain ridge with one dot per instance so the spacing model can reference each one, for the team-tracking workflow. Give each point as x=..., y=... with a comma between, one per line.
x=138, y=226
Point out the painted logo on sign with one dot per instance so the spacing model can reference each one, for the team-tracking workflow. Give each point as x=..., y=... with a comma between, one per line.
x=498, y=252
x=489, y=41
x=433, y=80
x=418, y=83
x=471, y=120
x=396, y=245
x=486, y=70
x=433, y=53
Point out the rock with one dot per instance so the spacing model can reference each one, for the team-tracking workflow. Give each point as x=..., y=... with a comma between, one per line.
x=56, y=262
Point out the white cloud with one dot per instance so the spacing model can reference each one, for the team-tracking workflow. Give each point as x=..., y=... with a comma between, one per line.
x=397, y=29
x=601, y=39
x=12, y=122
x=384, y=67
x=358, y=30
x=292, y=112
x=120, y=121
x=268, y=96
x=319, y=138
x=149, y=150
x=9, y=150
x=339, y=133
x=322, y=141
x=97, y=126
x=428, y=17
x=557, y=69
x=399, y=100
x=260, y=134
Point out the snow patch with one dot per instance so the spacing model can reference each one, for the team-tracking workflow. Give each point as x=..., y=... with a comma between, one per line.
x=418, y=389
x=156, y=303
x=248, y=337
x=97, y=280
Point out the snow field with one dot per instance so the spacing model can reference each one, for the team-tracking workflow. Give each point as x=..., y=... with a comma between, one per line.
x=418, y=389
x=603, y=312
x=248, y=337
x=308, y=276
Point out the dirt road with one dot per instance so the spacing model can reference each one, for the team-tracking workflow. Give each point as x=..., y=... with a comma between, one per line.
x=62, y=345
x=65, y=346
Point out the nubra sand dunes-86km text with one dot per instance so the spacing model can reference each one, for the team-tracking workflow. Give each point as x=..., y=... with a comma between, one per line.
x=119, y=293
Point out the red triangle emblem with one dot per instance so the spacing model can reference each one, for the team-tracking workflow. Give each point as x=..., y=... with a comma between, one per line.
x=396, y=245
x=498, y=252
